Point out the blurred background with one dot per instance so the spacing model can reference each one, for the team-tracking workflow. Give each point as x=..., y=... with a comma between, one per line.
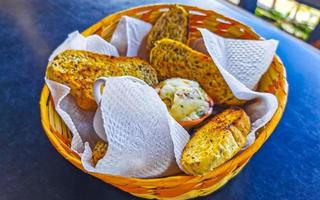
x=299, y=18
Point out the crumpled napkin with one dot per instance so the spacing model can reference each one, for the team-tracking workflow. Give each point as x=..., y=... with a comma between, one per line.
x=245, y=60
x=138, y=128
x=129, y=34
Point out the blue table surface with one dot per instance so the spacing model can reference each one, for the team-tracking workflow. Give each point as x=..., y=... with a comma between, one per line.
x=286, y=167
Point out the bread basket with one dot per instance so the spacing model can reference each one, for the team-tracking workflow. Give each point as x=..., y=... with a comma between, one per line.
x=179, y=186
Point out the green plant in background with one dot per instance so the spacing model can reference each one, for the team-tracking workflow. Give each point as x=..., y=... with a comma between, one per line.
x=290, y=16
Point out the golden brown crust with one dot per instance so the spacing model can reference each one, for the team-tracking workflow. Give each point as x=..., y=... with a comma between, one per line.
x=173, y=24
x=99, y=151
x=174, y=59
x=216, y=142
x=79, y=69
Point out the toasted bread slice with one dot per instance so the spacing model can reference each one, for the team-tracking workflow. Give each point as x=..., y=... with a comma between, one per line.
x=216, y=142
x=99, y=150
x=79, y=70
x=173, y=24
x=175, y=59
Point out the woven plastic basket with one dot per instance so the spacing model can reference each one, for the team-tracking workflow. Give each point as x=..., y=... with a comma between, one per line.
x=180, y=186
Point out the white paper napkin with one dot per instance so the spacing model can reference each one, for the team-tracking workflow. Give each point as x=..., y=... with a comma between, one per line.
x=244, y=61
x=129, y=34
x=138, y=128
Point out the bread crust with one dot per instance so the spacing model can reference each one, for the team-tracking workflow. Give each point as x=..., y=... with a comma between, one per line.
x=173, y=24
x=99, y=150
x=79, y=70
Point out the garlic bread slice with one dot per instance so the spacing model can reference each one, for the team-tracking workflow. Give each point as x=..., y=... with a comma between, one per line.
x=174, y=59
x=79, y=70
x=216, y=142
x=173, y=24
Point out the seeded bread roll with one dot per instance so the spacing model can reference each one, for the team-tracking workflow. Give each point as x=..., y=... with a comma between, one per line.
x=216, y=142
x=79, y=70
x=174, y=59
x=173, y=24
x=99, y=151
